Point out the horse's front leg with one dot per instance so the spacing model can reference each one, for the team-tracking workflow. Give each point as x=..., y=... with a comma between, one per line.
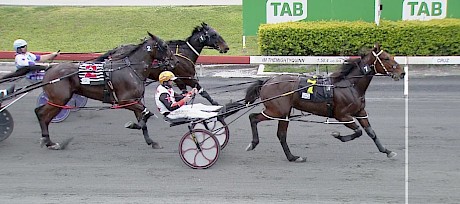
x=348, y=122
x=142, y=118
x=181, y=85
x=282, y=135
x=364, y=121
x=194, y=83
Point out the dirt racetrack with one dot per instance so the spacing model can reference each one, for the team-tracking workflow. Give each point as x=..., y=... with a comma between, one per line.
x=106, y=163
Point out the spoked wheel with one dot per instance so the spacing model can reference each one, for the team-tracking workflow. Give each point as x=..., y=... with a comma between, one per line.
x=199, y=149
x=6, y=124
x=77, y=101
x=217, y=127
x=62, y=115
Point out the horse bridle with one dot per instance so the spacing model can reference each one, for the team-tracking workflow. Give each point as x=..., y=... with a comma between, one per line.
x=162, y=62
x=377, y=58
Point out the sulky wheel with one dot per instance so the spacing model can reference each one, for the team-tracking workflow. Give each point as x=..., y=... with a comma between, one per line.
x=77, y=101
x=6, y=124
x=200, y=154
x=217, y=127
x=61, y=116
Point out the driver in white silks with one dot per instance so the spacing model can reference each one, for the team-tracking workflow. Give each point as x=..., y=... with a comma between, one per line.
x=174, y=106
x=25, y=63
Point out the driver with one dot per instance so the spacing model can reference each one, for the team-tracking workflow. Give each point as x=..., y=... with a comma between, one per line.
x=174, y=106
x=25, y=63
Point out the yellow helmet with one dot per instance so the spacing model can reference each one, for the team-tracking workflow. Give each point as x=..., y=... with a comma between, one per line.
x=166, y=76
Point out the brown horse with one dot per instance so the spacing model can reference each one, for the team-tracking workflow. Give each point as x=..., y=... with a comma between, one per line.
x=128, y=71
x=187, y=53
x=281, y=93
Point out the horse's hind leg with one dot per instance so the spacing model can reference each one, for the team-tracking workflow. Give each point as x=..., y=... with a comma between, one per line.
x=45, y=114
x=255, y=118
x=363, y=120
x=282, y=134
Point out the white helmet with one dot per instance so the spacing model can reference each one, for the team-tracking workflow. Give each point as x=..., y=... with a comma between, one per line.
x=19, y=43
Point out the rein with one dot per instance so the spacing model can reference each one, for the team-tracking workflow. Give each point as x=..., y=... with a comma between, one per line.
x=111, y=107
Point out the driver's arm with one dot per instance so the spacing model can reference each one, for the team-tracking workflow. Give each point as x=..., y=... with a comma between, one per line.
x=169, y=105
x=44, y=58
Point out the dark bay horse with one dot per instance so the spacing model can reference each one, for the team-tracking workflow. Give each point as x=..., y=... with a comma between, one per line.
x=187, y=53
x=349, y=86
x=128, y=71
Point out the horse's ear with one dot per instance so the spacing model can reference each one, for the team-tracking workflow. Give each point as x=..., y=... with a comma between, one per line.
x=204, y=25
x=151, y=35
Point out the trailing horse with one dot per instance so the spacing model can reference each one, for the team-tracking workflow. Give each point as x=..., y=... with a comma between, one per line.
x=187, y=53
x=128, y=73
x=346, y=99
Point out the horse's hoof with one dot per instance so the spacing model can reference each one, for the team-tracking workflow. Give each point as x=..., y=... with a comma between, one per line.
x=300, y=160
x=335, y=134
x=156, y=146
x=132, y=125
x=42, y=142
x=391, y=154
x=250, y=147
x=56, y=146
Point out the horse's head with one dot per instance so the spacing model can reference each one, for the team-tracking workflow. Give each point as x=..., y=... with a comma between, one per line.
x=158, y=50
x=384, y=63
x=208, y=36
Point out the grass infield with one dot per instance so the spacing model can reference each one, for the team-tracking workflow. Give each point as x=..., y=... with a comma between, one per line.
x=98, y=29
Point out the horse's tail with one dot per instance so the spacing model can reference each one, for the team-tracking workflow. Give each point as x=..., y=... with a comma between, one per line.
x=253, y=92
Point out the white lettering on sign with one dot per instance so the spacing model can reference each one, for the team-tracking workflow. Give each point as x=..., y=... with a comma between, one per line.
x=424, y=9
x=286, y=10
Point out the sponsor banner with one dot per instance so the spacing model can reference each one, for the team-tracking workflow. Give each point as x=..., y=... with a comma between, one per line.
x=297, y=59
x=256, y=12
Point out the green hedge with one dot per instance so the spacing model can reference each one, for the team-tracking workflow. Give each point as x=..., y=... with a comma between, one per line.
x=334, y=38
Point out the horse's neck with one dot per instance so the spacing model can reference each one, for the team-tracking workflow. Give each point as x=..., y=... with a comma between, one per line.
x=193, y=50
x=140, y=62
x=361, y=82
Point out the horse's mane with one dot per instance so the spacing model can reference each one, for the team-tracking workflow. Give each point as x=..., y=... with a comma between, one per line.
x=176, y=42
x=121, y=51
x=347, y=66
x=182, y=42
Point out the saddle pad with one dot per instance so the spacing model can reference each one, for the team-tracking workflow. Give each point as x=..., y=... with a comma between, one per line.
x=319, y=90
x=91, y=73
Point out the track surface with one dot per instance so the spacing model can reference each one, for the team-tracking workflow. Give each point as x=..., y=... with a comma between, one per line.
x=106, y=163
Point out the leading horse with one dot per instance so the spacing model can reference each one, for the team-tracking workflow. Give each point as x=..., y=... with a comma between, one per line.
x=280, y=94
x=128, y=71
x=187, y=53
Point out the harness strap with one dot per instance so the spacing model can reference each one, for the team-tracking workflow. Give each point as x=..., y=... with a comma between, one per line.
x=124, y=105
x=267, y=116
x=180, y=55
x=192, y=48
x=60, y=106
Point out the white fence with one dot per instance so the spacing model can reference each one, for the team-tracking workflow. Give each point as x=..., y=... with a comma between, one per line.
x=313, y=60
